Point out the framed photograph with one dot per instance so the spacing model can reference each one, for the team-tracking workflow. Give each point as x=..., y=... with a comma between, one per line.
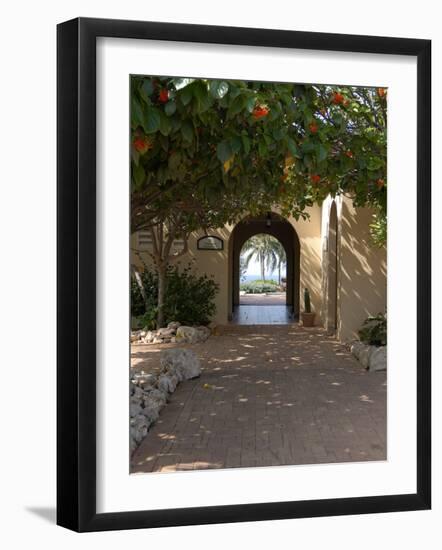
x=243, y=309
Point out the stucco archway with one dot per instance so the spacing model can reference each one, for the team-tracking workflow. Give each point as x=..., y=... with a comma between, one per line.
x=271, y=224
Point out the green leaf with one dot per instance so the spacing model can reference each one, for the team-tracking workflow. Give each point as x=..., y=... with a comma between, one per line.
x=213, y=88
x=187, y=131
x=246, y=144
x=308, y=147
x=204, y=100
x=218, y=89
x=139, y=175
x=152, y=120
x=293, y=148
x=137, y=113
x=268, y=139
x=223, y=88
x=147, y=88
x=279, y=133
x=180, y=83
x=135, y=155
x=199, y=90
x=170, y=108
x=186, y=95
x=321, y=152
x=224, y=151
x=362, y=163
x=165, y=125
x=250, y=104
x=234, y=90
x=374, y=163
x=235, y=144
x=235, y=107
x=308, y=115
x=176, y=123
x=262, y=149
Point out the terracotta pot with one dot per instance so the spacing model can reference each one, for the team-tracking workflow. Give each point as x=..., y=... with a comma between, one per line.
x=308, y=319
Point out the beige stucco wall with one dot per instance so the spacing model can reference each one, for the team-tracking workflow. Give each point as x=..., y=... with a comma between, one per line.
x=210, y=262
x=361, y=275
x=215, y=263
x=309, y=233
x=362, y=268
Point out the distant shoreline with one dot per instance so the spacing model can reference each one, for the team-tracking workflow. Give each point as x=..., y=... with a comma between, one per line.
x=248, y=278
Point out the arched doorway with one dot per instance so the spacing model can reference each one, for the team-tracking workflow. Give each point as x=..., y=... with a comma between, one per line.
x=332, y=270
x=270, y=224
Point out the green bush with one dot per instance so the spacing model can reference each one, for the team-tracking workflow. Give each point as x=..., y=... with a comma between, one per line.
x=374, y=330
x=259, y=287
x=150, y=284
x=190, y=299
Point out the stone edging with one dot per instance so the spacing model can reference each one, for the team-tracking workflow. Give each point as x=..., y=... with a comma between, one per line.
x=149, y=392
x=173, y=333
x=372, y=358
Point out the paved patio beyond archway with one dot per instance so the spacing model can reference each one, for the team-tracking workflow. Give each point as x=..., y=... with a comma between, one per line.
x=267, y=396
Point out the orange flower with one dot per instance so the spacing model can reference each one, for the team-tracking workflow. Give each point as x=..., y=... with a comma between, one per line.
x=349, y=154
x=380, y=183
x=142, y=144
x=313, y=127
x=337, y=98
x=315, y=179
x=382, y=92
x=163, y=96
x=260, y=111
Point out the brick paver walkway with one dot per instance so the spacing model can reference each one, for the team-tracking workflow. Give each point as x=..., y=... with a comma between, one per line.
x=273, y=299
x=268, y=395
x=262, y=315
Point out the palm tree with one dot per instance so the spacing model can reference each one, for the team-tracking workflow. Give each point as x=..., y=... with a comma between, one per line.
x=277, y=259
x=267, y=250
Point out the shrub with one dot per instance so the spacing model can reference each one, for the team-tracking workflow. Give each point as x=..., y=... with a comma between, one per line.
x=150, y=284
x=259, y=287
x=147, y=320
x=374, y=330
x=190, y=299
x=265, y=282
x=378, y=229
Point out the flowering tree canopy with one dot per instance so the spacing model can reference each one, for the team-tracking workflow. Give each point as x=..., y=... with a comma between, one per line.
x=205, y=152
x=214, y=149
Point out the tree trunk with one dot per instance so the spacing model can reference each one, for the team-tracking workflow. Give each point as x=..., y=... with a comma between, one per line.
x=261, y=260
x=139, y=282
x=161, y=294
x=279, y=273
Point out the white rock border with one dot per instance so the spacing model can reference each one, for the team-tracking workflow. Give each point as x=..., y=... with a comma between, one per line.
x=174, y=332
x=149, y=393
x=372, y=358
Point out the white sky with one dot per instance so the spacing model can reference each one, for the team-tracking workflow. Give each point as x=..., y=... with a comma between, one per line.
x=255, y=269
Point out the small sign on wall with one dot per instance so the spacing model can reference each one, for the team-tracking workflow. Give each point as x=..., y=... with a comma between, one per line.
x=210, y=242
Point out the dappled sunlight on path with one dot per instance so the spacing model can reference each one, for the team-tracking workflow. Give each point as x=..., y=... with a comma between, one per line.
x=268, y=395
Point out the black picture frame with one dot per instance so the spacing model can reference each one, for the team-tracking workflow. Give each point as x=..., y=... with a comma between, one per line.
x=76, y=274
